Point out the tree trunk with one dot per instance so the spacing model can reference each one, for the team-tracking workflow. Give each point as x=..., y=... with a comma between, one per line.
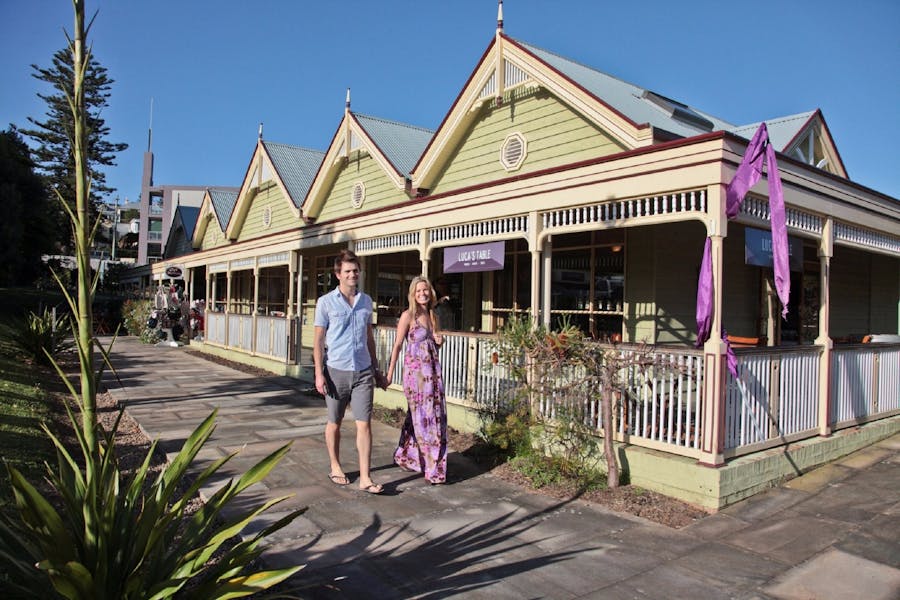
x=606, y=410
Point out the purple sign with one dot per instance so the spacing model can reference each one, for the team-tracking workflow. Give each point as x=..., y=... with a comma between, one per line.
x=477, y=257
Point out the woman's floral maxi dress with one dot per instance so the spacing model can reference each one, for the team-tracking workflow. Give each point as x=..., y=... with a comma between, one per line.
x=423, y=439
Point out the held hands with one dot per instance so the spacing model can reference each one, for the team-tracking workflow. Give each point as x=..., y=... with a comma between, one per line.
x=438, y=339
x=381, y=380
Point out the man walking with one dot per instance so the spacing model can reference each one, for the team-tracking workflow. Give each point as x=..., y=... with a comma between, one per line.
x=347, y=367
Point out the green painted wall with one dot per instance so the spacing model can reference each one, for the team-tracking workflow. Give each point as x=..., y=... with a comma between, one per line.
x=269, y=196
x=213, y=236
x=380, y=189
x=640, y=307
x=741, y=297
x=555, y=135
x=885, y=294
x=865, y=289
x=661, y=282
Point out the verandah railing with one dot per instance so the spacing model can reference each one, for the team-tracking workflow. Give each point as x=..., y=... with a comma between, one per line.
x=865, y=383
x=775, y=399
x=260, y=335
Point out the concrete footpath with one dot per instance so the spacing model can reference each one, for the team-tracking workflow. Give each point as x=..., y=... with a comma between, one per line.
x=833, y=533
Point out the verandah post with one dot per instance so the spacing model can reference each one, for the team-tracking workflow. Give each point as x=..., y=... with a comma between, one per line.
x=714, y=360
x=824, y=341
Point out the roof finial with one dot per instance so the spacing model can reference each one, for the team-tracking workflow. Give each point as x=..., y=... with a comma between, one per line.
x=500, y=16
x=260, y=130
x=347, y=103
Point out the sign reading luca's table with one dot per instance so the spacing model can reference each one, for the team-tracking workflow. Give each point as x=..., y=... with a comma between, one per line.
x=758, y=249
x=477, y=257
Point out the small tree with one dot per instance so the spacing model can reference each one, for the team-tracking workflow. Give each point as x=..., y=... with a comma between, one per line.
x=563, y=370
x=55, y=136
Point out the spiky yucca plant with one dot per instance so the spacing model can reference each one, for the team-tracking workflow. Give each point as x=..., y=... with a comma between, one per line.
x=113, y=537
x=129, y=538
x=41, y=337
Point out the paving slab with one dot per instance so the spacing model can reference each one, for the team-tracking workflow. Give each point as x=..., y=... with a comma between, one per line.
x=481, y=537
x=837, y=575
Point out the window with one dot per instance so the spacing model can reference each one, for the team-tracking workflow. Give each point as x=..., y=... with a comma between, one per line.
x=513, y=151
x=220, y=291
x=323, y=274
x=241, y=292
x=588, y=283
x=273, y=286
x=393, y=273
x=512, y=299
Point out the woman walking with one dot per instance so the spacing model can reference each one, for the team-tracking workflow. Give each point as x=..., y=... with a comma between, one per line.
x=423, y=439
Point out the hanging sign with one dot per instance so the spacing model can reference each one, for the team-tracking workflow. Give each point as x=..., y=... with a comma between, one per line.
x=174, y=271
x=474, y=258
x=758, y=249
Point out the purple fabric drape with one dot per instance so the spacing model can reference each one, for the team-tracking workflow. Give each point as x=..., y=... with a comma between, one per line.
x=748, y=173
x=781, y=254
x=705, y=296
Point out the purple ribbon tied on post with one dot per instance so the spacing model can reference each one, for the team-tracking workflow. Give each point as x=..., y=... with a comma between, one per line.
x=749, y=172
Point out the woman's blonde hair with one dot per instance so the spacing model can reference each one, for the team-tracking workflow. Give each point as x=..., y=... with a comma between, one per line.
x=432, y=301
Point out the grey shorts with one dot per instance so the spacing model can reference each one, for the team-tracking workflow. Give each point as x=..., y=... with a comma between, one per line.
x=356, y=388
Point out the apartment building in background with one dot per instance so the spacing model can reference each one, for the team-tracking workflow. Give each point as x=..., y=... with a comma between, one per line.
x=157, y=211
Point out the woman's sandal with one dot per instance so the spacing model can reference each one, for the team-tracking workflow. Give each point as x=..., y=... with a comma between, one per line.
x=339, y=479
x=372, y=488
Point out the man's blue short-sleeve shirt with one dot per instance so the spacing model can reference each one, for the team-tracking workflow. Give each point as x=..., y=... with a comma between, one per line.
x=346, y=330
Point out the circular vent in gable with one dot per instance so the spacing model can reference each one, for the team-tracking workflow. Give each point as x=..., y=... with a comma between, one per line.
x=358, y=195
x=513, y=151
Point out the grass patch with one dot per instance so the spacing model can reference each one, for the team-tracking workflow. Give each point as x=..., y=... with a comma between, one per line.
x=24, y=406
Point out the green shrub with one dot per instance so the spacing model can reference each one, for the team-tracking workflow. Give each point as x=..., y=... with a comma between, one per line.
x=129, y=538
x=42, y=337
x=135, y=314
x=509, y=431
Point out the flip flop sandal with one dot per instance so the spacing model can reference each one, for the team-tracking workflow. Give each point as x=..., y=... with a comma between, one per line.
x=372, y=488
x=339, y=479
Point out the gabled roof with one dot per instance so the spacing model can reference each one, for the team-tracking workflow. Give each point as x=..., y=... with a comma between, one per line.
x=188, y=216
x=394, y=146
x=787, y=133
x=223, y=202
x=291, y=168
x=182, y=230
x=782, y=130
x=630, y=115
x=634, y=116
x=295, y=166
x=400, y=143
x=218, y=203
x=639, y=105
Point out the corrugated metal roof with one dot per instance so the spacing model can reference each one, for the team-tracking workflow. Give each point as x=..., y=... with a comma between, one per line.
x=296, y=167
x=637, y=104
x=781, y=130
x=400, y=143
x=223, y=202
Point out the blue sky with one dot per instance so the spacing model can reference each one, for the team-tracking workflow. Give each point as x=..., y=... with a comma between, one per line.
x=216, y=69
